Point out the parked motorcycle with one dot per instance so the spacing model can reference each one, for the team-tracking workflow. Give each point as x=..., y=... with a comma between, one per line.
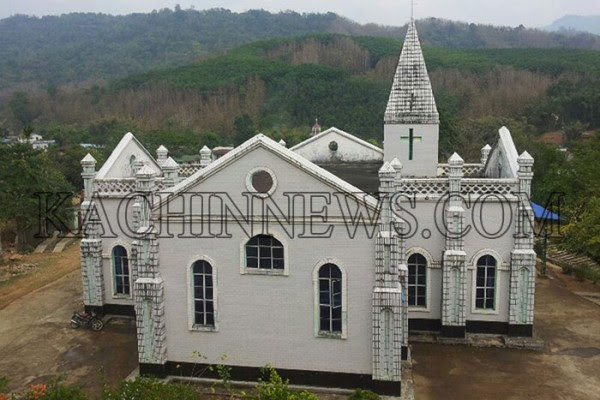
x=83, y=319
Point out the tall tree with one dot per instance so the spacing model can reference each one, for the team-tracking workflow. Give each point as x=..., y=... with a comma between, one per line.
x=244, y=129
x=21, y=107
x=19, y=200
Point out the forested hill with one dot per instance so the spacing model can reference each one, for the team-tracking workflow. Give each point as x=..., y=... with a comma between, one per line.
x=80, y=47
x=279, y=86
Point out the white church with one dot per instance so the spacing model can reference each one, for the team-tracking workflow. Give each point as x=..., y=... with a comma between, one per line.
x=318, y=259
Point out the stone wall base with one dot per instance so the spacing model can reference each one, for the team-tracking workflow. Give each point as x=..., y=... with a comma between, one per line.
x=453, y=331
x=112, y=309
x=490, y=327
x=297, y=377
x=520, y=330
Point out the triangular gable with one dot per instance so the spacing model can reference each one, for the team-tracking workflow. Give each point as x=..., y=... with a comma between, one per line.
x=349, y=148
x=118, y=164
x=502, y=161
x=258, y=141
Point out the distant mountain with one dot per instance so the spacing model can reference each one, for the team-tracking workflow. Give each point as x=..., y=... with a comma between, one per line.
x=576, y=23
x=86, y=47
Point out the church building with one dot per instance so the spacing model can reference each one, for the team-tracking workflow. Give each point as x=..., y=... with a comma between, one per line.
x=318, y=260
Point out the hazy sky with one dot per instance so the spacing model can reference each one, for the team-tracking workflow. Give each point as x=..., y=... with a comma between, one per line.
x=531, y=13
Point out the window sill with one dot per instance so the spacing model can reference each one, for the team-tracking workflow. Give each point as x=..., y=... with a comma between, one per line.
x=258, y=271
x=330, y=335
x=418, y=309
x=484, y=311
x=122, y=297
x=203, y=328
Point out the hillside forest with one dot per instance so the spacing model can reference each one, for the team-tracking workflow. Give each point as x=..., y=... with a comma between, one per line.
x=279, y=86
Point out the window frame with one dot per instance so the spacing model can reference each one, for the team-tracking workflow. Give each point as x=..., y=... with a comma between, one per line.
x=192, y=326
x=428, y=292
x=251, y=188
x=417, y=285
x=318, y=333
x=497, y=275
x=245, y=270
x=115, y=294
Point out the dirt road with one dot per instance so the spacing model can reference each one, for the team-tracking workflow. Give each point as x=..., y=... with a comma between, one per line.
x=568, y=368
x=36, y=342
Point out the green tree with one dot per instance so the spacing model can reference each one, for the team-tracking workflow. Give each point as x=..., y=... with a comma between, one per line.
x=210, y=139
x=19, y=204
x=21, y=107
x=244, y=129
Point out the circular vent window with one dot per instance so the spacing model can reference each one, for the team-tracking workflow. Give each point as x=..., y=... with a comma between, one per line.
x=262, y=181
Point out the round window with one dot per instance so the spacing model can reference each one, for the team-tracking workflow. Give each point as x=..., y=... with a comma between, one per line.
x=261, y=181
x=333, y=146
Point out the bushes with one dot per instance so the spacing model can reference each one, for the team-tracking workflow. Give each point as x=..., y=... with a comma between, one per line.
x=361, y=394
x=150, y=389
x=581, y=271
x=277, y=389
x=273, y=388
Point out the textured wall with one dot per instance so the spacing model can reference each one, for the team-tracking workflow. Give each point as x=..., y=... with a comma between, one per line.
x=348, y=150
x=425, y=151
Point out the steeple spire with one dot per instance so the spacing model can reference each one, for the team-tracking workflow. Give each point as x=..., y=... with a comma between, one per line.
x=411, y=99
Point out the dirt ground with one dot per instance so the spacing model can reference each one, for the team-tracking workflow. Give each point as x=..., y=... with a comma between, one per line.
x=36, y=342
x=568, y=367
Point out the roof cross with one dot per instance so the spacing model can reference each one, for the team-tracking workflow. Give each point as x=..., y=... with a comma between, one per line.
x=411, y=139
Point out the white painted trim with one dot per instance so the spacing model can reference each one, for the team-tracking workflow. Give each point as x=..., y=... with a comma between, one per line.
x=190, y=294
x=430, y=263
x=127, y=247
x=116, y=153
x=341, y=133
x=473, y=268
x=251, y=188
x=316, y=311
x=257, y=271
x=286, y=154
x=502, y=265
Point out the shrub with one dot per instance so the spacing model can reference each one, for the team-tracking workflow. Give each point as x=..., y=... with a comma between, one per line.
x=581, y=272
x=362, y=394
x=55, y=391
x=150, y=389
x=566, y=268
x=277, y=389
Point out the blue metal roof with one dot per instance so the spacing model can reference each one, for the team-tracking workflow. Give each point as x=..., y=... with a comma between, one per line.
x=541, y=213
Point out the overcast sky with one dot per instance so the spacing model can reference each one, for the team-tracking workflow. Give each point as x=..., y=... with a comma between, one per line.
x=531, y=13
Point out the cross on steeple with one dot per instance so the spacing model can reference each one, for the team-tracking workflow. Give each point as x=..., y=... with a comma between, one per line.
x=411, y=139
x=412, y=9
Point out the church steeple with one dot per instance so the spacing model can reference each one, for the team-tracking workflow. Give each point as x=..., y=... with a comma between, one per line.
x=411, y=121
x=411, y=99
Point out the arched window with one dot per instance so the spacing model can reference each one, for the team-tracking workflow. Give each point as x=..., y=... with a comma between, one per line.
x=204, y=310
x=330, y=299
x=264, y=252
x=417, y=280
x=485, y=284
x=121, y=271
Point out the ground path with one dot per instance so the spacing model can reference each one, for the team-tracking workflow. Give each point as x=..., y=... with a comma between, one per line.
x=568, y=367
x=36, y=342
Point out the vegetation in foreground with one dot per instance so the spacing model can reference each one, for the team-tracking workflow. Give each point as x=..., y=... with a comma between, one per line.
x=272, y=388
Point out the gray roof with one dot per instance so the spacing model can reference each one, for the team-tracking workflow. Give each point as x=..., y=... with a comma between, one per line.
x=363, y=175
x=411, y=99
